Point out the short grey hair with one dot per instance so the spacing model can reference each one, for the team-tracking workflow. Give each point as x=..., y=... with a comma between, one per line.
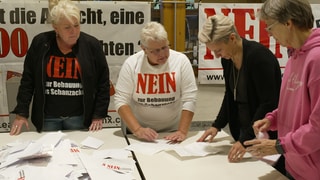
x=63, y=9
x=217, y=28
x=299, y=11
x=153, y=31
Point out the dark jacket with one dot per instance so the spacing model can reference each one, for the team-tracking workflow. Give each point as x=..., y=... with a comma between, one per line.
x=95, y=78
x=263, y=78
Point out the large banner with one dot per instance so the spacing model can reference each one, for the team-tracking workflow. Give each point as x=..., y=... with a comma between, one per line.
x=116, y=24
x=248, y=26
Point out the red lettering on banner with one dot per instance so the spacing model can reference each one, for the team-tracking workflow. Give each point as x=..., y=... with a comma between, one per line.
x=208, y=55
x=60, y=67
x=210, y=12
x=226, y=11
x=240, y=22
x=19, y=42
x=5, y=43
x=156, y=83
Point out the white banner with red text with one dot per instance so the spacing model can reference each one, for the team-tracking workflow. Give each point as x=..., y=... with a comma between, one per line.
x=116, y=24
x=249, y=26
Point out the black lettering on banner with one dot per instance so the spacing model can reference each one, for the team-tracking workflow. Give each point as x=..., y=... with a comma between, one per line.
x=91, y=17
x=109, y=120
x=126, y=17
x=117, y=49
x=215, y=77
x=21, y=16
x=4, y=126
x=44, y=16
x=118, y=120
x=112, y=121
x=2, y=11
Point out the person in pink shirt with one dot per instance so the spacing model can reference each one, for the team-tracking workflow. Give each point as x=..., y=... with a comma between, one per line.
x=297, y=117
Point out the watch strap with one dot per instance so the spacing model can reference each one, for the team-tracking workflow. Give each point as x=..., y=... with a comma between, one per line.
x=279, y=147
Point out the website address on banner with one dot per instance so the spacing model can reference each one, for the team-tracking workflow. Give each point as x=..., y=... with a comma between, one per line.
x=215, y=77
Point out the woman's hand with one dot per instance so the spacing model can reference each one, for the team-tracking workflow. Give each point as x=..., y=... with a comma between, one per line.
x=96, y=125
x=261, y=125
x=17, y=125
x=177, y=136
x=261, y=147
x=211, y=133
x=147, y=134
x=236, y=152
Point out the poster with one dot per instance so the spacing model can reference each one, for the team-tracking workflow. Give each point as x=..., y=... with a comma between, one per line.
x=248, y=26
x=116, y=24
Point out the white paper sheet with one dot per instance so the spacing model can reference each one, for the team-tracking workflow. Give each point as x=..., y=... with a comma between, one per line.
x=91, y=142
x=196, y=149
x=111, y=153
x=98, y=172
x=150, y=148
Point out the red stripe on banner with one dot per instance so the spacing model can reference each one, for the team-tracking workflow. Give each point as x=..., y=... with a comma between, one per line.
x=4, y=115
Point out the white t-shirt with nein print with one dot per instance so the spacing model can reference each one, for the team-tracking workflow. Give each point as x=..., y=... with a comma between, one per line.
x=157, y=94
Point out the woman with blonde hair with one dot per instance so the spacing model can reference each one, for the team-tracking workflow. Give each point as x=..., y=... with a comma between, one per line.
x=65, y=76
x=252, y=82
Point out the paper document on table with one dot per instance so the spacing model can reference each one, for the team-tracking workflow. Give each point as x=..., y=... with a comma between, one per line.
x=112, y=153
x=91, y=142
x=34, y=149
x=31, y=172
x=42, y=147
x=271, y=159
x=97, y=171
x=63, y=153
x=196, y=149
x=119, y=165
x=19, y=147
x=150, y=148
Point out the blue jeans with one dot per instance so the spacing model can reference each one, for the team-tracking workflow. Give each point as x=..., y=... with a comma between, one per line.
x=63, y=123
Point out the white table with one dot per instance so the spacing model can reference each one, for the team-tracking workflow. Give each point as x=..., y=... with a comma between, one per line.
x=169, y=165
x=113, y=139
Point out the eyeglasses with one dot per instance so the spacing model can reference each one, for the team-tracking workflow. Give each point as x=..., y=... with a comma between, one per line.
x=157, y=51
x=268, y=28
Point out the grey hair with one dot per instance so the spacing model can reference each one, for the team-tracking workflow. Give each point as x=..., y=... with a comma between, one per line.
x=217, y=28
x=153, y=31
x=299, y=11
x=63, y=9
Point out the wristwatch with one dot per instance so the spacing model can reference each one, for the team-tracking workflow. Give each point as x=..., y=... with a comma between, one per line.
x=279, y=147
